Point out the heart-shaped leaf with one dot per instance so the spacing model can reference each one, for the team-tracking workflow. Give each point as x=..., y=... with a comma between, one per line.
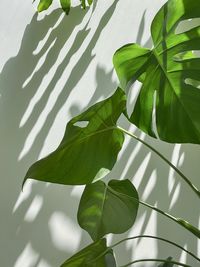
x=108, y=208
x=85, y=153
x=97, y=254
x=169, y=74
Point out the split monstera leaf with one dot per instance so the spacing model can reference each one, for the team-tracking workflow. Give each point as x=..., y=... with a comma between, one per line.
x=65, y=4
x=169, y=73
x=86, y=154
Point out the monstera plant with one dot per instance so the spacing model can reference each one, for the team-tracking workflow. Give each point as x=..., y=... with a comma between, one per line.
x=167, y=108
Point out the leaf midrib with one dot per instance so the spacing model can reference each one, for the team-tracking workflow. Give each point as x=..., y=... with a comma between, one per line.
x=80, y=140
x=101, y=209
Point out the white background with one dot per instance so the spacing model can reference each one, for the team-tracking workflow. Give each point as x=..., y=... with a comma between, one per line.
x=52, y=68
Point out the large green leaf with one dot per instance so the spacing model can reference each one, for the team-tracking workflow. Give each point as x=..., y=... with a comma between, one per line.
x=85, y=153
x=169, y=74
x=95, y=255
x=108, y=208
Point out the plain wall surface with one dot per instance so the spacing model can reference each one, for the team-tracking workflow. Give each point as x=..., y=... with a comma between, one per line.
x=52, y=67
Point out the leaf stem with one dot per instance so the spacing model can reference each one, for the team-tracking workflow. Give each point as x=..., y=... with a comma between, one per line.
x=180, y=221
x=156, y=260
x=158, y=238
x=193, y=187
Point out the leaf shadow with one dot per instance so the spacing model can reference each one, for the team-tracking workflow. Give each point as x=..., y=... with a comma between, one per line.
x=20, y=81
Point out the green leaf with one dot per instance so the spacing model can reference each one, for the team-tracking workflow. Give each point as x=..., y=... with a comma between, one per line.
x=108, y=208
x=66, y=5
x=167, y=264
x=85, y=153
x=44, y=4
x=95, y=255
x=169, y=74
x=90, y=2
x=83, y=4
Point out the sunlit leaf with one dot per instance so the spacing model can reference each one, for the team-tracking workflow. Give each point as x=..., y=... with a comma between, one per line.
x=108, y=208
x=44, y=4
x=90, y=2
x=85, y=153
x=83, y=4
x=66, y=5
x=95, y=255
x=169, y=74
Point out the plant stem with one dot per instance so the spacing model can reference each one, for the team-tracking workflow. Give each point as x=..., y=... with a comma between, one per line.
x=158, y=238
x=193, y=187
x=180, y=221
x=156, y=260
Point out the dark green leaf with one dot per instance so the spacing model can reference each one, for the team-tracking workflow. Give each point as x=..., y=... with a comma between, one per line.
x=66, y=5
x=83, y=4
x=44, y=4
x=108, y=208
x=167, y=264
x=85, y=153
x=95, y=255
x=169, y=74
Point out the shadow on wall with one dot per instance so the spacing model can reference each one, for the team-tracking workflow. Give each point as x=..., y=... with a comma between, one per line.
x=29, y=223
x=161, y=187
x=39, y=228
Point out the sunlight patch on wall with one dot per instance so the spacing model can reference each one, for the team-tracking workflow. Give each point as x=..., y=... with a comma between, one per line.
x=139, y=248
x=141, y=170
x=43, y=263
x=175, y=159
x=23, y=195
x=150, y=185
x=183, y=257
x=64, y=233
x=175, y=196
x=28, y=257
x=34, y=209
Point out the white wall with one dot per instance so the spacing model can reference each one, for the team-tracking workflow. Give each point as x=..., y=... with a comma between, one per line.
x=53, y=67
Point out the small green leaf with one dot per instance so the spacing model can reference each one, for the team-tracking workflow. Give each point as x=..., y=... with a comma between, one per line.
x=44, y=4
x=85, y=153
x=170, y=75
x=66, y=5
x=83, y=4
x=97, y=254
x=108, y=208
x=167, y=264
x=90, y=2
